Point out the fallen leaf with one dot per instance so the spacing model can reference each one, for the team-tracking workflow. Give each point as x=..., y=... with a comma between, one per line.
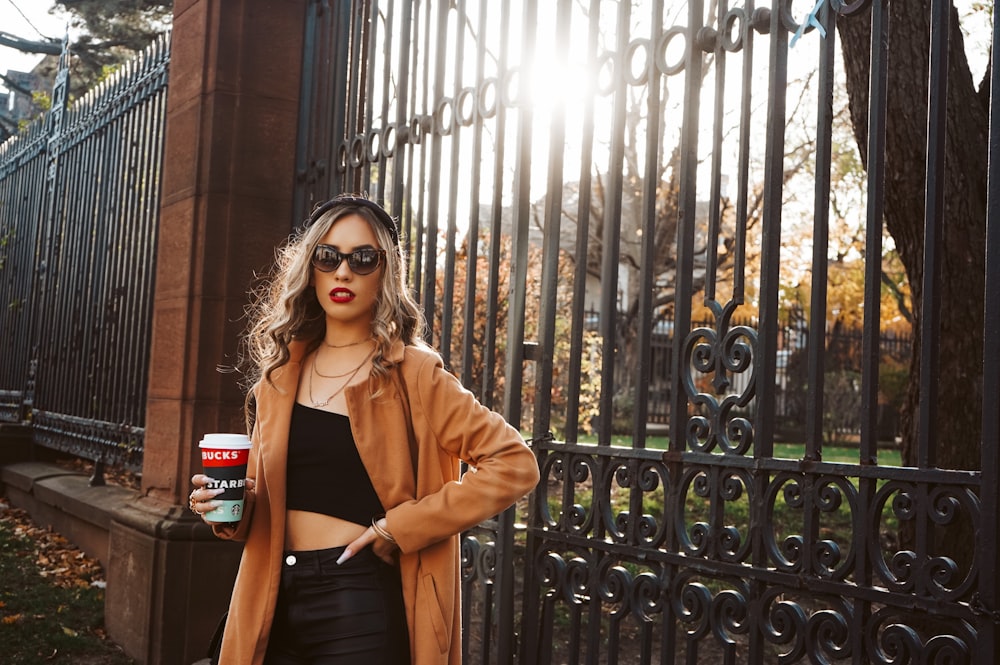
x=56, y=558
x=69, y=631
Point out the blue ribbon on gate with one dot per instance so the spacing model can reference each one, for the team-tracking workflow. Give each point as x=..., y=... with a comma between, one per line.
x=810, y=20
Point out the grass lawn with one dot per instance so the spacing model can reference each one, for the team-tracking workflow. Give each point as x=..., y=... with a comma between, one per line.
x=51, y=599
x=847, y=454
x=835, y=519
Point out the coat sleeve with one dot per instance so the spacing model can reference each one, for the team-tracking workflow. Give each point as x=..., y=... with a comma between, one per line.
x=450, y=424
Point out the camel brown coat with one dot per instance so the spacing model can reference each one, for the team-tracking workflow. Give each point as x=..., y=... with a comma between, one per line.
x=448, y=425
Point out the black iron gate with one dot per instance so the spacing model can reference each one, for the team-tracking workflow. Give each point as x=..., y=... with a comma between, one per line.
x=656, y=163
x=79, y=208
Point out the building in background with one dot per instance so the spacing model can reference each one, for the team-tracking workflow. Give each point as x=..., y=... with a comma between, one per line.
x=18, y=103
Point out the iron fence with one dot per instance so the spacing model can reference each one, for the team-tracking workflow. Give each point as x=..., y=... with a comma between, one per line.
x=79, y=204
x=547, y=159
x=843, y=345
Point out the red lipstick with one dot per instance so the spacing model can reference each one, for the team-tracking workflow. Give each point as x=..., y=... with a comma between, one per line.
x=341, y=295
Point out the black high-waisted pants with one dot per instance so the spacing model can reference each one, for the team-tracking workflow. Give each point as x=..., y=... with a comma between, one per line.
x=351, y=614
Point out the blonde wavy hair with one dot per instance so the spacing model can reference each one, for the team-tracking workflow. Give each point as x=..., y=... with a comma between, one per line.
x=284, y=307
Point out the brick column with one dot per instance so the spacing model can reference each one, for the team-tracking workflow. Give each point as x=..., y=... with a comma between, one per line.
x=227, y=200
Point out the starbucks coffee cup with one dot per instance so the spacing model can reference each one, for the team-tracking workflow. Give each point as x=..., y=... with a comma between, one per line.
x=224, y=460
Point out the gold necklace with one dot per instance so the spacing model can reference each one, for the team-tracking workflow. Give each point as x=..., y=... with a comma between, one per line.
x=353, y=373
x=315, y=364
x=344, y=346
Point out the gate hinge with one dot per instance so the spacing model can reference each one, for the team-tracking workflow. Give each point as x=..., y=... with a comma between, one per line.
x=545, y=438
x=979, y=608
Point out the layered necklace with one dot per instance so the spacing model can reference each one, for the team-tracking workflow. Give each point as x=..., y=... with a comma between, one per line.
x=350, y=374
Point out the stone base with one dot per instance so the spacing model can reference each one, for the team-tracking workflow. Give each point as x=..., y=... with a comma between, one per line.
x=169, y=582
x=65, y=501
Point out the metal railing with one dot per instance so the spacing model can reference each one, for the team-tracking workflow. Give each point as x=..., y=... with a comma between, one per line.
x=526, y=206
x=79, y=206
x=530, y=194
x=790, y=376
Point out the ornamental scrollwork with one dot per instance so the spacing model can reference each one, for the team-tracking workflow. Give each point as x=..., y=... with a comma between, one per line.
x=711, y=606
x=565, y=576
x=720, y=380
x=639, y=486
x=478, y=560
x=826, y=510
x=572, y=509
x=818, y=628
x=923, y=567
x=712, y=512
x=893, y=636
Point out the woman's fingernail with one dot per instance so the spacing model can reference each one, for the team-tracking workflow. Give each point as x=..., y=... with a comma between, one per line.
x=217, y=491
x=344, y=557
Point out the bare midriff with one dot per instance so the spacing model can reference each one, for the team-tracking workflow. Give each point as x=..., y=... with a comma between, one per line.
x=306, y=530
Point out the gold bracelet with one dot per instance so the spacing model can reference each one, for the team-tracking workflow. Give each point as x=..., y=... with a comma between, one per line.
x=381, y=532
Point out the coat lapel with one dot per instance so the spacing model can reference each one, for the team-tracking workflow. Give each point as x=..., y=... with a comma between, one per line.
x=381, y=435
x=274, y=418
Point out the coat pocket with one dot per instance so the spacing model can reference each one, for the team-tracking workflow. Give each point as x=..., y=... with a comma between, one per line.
x=434, y=608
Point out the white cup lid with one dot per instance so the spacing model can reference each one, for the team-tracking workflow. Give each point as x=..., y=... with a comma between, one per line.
x=220, y=440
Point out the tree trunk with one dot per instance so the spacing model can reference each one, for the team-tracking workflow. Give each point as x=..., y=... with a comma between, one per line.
x=963, y=261
x=961, y=286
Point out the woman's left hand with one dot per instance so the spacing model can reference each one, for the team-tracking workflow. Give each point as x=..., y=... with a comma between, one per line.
x=382, y=548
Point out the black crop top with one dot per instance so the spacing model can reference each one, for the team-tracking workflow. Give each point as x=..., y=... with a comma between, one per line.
x=325, y=473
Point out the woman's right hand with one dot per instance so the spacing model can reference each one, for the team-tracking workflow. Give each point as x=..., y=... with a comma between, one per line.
x=200, y=501
x=202, y=498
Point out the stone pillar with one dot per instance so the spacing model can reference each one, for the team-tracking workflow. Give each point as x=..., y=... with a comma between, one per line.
x=228, y=178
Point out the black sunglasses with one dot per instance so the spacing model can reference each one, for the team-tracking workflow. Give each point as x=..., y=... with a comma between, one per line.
x=361, y=261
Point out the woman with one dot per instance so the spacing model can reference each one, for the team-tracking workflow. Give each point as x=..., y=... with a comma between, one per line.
x=353, y=505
